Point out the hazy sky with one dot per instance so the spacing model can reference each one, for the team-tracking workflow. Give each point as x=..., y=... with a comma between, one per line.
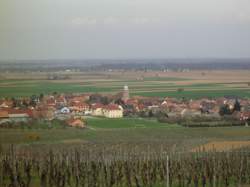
x=49, y=29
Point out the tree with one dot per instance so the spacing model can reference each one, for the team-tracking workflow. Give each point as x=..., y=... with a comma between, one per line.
x=104, y=100
x=237, y=106
x=33, y=100
x=14, y=101
x=119, y=102
x=225, y=110
x=41, y=97
x=150, y=114
x=25, y=104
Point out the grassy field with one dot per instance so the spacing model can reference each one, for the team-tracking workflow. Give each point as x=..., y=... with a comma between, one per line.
x=126, y=130
x=153, y=84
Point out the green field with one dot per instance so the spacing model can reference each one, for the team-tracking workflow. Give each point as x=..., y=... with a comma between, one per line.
x=156, y=88
x=125, y=130
x=195, y=94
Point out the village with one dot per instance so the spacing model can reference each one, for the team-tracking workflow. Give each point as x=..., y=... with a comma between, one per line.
x=74, y=108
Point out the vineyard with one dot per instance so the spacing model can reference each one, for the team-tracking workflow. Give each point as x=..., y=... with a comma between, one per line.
x=122, y=167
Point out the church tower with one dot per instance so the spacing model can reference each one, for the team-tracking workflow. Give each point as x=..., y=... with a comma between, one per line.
x=125, y=95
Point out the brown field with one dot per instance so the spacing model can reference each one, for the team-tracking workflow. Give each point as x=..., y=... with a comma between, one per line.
x=221, y=146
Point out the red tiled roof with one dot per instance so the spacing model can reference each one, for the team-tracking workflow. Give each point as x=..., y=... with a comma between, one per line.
x=132, y=101
x=79, y=104
x=112, y=107
x=51, y=102
x=20, y=111
x=97, y=105
x=60, y=99
x=141, y=107
x=245, y=116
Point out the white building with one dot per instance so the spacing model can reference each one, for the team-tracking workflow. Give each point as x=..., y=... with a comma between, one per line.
x=113, y=111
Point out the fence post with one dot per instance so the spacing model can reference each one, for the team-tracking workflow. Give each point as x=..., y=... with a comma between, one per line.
x=167, y=185
x=214, y=172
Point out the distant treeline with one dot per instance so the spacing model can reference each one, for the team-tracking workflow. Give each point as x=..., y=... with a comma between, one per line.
x=122, y=64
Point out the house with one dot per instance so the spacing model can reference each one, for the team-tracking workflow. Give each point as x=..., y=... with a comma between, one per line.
x=61, y=101
x=6, y=104
x=19, y=114
x=46, y=113
x=4, y=114
x=140, y=107
x=132, y=101
x=79, y=107
x=51, y=102
x=4, y=117
x=195, y=105
x=208, y=106
x=76, y=123
x=113, y=111
x=245, y=105
x=97, y=109
x=245, y=116
x=173, y=105
x=65, y=110
x=80, y=97
x=190, y=113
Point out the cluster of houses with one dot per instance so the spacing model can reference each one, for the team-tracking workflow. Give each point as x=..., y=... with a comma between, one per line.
x=73, y=108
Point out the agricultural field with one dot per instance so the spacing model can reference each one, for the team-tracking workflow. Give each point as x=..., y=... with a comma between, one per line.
x=124, y=152
x=193, y=84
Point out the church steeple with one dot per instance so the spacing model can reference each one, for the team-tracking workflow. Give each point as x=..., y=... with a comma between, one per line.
x=125, y=95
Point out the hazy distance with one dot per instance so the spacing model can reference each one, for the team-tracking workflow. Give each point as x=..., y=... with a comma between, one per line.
x=86, y=29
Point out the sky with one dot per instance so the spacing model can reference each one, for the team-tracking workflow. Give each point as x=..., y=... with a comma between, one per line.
x=86, y=29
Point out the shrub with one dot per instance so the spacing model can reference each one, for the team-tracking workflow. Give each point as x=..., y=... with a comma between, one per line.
x=33, y=137
x=170, y=120
x=180, y=89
